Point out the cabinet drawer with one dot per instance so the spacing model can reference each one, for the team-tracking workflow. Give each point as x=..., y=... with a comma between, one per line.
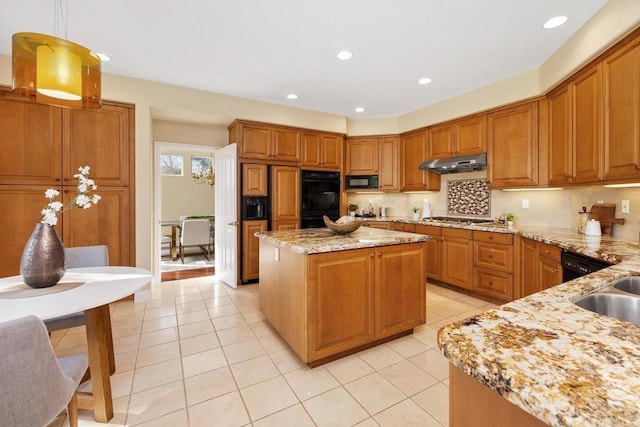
x=460, y=233
x=494, y=283
x=486, y=236
x=400, y=226
x=430, y=230
x=549, y=251
x=494, y=256
x=377, y=224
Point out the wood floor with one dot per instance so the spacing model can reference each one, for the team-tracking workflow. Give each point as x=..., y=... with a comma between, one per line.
x=187, y=274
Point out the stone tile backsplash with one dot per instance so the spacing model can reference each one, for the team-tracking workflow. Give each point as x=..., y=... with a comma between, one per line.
x=468, y=197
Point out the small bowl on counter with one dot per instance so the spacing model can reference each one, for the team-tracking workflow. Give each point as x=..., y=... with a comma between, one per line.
x=343, y=225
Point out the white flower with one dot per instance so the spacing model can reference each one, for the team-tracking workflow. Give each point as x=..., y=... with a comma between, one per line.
x=82, y=200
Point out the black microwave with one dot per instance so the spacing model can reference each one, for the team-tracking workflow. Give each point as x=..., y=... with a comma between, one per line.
x=361, y=182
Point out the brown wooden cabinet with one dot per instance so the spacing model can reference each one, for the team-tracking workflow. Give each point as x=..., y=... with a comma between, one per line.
x=403, y=226
x=251, y=249
x=560, y=157
x=384, y=225
x=434, y=250
x=254, y=179
x=413, y=151
x=45, y=147
x=512, y=146
x=540, y=266
x=321, y=151
x=493, y=262
x=586, y=138
x=262, y=141
x=388, y=172
x=457, y=138
x=285, y=197
x=457, y=257
x=621, y=102
x=361, y=156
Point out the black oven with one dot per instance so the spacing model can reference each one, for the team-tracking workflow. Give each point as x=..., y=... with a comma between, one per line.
x=320, y=196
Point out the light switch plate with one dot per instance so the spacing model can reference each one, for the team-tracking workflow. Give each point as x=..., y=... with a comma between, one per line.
x=625, y=206
x=525, y=203
x=276, y=254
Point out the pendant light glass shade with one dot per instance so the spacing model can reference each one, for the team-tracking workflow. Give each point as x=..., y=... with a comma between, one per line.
x=55, y=71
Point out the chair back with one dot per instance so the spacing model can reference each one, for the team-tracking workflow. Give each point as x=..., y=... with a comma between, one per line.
x=195, y=232
x=87, y=256
x=34, y=388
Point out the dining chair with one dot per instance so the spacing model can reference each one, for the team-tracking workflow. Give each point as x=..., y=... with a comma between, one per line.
x=195, y=232
x=36, y=386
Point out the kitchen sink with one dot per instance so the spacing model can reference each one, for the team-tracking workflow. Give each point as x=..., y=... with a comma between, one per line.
x=616, y=305
x=629, y=284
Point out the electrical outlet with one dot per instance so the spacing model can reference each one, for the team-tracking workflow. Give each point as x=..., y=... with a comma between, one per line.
x=525, y=203
x=276, y=254
x=625, y=206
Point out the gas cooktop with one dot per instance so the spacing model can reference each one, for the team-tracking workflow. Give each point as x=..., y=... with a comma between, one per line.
x=458, y=220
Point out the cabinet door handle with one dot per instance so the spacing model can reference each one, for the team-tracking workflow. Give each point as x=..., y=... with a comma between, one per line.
x=637, y=167
x=371, y=255
x=490, y=237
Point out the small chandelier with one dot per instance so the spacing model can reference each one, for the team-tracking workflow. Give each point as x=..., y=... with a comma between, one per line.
x=206, y=176
x=55, y=71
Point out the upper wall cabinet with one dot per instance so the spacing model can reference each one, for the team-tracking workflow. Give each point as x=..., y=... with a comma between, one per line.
x=457, y=138
x=322, y=151
x=512, y=146
x=575, y=143
x=621, y=94
x=413, y=151
x=361, y=156
x=265, y=142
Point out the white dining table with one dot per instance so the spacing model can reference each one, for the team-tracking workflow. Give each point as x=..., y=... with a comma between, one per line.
x=89, y=289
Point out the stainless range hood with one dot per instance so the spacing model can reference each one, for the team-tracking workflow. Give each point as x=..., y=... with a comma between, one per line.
x=471, y=163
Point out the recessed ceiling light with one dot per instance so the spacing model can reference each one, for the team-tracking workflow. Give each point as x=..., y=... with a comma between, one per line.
x=359, y=110
x=554, y=22
x=344, y=55
x=424, y=81
x=292, y=96
x=103, y=57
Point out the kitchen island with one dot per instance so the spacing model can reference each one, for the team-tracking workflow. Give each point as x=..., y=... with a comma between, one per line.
x=330, y=295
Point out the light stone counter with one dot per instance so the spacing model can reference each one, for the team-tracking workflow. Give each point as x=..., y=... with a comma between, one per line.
x=319, y=240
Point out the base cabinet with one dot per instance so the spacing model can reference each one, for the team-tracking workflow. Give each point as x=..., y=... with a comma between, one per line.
x=434, y=250
x=251, y=249
x=328, y=304
x=540, y=266
x=457, y=257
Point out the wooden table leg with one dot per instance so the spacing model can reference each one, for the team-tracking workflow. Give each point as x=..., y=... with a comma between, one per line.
x=97, y=332
x=174, y=235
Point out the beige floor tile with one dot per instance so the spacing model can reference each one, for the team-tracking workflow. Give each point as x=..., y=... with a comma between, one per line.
x=223, y=310
x=194, y=329
x=155, y=402
x=262, y=328
x=174, y=419
x=335, y=408
x=71, y=340
x=156, y=375
x=202, y=362
x=369, y=422
x=254, y=371
x=433, y=362
x=158, y=353
x=380, y=357
x=435, y=400
x=126, y=344
x=199, y=343
x=125, y=361
x=432, y=317
x=217, y=301
x=268, y=397
x=408, y=378
x=426, y=335
x=154, y=313
x=159, y=323
x=307, y=383
x=407, y=346
x=242, y=351
x=224, y=411
x=192, y=317
x=286, y=360
x=253, y=316
x=235, y=335
x=190, y=302
x=227, y=322
x=349, y=368
x=209, y=385
x=121, y=384
x=406, y=414
x=292, y=416
x=158, y=337
x=161, y=302
x=272, y=343
x=374, y=392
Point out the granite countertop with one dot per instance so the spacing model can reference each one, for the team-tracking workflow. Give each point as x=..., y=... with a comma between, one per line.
x=319, y=240
x=561, y=363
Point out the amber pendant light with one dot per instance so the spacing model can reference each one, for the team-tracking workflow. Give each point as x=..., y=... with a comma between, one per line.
x=55, y=71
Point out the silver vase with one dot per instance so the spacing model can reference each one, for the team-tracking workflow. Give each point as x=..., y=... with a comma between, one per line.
x=43, y=264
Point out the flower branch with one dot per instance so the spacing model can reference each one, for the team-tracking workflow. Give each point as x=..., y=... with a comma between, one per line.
x=83, y=200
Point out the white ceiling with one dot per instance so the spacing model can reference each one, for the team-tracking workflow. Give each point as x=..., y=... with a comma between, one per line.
x=265, y=49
